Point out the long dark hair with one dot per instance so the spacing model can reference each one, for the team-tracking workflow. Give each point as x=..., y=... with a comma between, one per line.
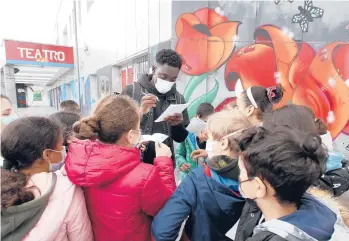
x=22, y=143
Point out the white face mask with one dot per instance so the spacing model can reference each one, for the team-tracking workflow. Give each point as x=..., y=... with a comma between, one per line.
x=163, y=86
x=209, y=148
x=57, y=166
x=209, y=144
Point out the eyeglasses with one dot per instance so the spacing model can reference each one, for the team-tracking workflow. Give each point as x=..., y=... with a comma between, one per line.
x=247, y=180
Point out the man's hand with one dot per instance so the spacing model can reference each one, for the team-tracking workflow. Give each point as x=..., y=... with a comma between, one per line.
x=198, y=153
x=175, y=119
x=148, y=101
x=203, y=136
x=184, y=167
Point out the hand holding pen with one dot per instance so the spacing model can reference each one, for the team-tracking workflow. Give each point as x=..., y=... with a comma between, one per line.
x=148, y=101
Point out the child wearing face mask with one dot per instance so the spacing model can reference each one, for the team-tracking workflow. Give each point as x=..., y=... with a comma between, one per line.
x=208, y=195
x=277, y=166
x=7, y=115
x=122, y=193
x=183, y=159
x=37, y=204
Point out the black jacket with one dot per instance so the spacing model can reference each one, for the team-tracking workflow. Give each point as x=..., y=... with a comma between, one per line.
x=312, y=221
x=148, y=125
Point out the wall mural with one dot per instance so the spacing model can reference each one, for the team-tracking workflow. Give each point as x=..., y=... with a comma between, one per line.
x=313, y=70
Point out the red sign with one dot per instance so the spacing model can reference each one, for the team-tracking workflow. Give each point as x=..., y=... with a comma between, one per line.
x=19, y=52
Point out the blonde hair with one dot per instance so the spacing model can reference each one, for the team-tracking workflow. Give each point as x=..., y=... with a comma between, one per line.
x=226, y=122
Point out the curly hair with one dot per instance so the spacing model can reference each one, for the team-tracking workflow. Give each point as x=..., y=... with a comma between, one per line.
x=169, y=57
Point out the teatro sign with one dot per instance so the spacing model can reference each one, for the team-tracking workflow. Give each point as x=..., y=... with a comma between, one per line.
x=38, y=54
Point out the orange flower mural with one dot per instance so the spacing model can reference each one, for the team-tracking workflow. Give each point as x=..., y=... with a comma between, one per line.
x=205, y=40
x=323, y=89
x=310, y=79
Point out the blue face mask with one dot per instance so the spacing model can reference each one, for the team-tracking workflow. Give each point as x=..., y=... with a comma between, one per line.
x=8, y=119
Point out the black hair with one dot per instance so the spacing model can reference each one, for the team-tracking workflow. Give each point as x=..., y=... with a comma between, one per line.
x=321, y=127
x=295, y=116
x=66, y=120
x=204, y=110
x=169, y=57
x=298, y=117
x=288, y=159
x=70, y=106
x=264, y=97
x=22, y=143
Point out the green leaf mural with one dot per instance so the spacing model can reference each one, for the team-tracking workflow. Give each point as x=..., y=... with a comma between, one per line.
x=208, y=97
x=193, y=83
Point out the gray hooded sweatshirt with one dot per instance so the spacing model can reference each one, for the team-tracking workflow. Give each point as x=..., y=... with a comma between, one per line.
x=17, y=221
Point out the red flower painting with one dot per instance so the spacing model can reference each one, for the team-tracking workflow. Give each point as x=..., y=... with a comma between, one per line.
x=205, y=40
x=316, y=80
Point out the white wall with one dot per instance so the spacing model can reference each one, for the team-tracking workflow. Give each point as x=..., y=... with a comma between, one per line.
x=44, y=94
x=111, y=31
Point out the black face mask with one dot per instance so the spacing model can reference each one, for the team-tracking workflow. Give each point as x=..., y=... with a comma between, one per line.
x=225, y=166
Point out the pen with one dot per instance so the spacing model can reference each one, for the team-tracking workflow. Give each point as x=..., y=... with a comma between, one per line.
x=143, y=94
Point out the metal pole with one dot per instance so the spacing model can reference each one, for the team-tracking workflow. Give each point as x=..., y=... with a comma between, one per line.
x=77, y=53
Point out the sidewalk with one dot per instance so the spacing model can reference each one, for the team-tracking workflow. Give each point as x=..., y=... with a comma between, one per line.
x=36, y=111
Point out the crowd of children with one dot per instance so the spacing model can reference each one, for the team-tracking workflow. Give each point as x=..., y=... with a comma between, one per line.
x=251, y=173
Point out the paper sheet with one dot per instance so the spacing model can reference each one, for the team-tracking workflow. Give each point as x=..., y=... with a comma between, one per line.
x=172, y=109
x=156, y=137
x=232, y=232
x=196, y=126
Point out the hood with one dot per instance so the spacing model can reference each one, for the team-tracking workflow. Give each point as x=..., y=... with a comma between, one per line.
x=334, y=161
x=144, y=81
x=17, y=221
x=225, y=166
x=312, y=221
x=93, y=163
x=221, y=195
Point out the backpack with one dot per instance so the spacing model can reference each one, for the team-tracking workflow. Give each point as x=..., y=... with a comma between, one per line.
x=336, y=181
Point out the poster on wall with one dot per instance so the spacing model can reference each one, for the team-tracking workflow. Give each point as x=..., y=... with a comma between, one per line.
x=37, y=95
x=21, y=96
x=104, y=80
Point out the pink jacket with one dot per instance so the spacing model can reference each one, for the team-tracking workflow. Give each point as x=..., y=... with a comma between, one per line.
x=123, y=194
x=65, y=217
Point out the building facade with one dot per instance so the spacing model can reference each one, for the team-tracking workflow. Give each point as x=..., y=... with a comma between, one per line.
x=301, y=45
x=114, y=40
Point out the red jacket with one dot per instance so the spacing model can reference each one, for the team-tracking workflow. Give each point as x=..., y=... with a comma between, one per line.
x=122, y=193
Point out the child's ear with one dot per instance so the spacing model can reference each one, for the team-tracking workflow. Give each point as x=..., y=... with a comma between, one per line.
x=224, y=144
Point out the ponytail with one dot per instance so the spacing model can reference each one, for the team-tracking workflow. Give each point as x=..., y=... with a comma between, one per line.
x=13, y=188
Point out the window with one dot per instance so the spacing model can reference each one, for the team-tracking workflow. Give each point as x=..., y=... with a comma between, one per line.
x=70, y=26
x=65, y=36
x=140, y=67
x=79, y=12
x=89, y=4
x=73, y=22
